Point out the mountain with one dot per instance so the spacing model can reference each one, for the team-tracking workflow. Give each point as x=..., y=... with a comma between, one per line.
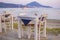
x=9, y=5
x=29, y=5
x=36, y=4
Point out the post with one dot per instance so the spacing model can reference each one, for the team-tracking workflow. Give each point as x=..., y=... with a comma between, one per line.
x=36, y=29
x=19, y=28
x=22, y=32
x=12, y=22
x=29, y=31
x=4, y=23
x=44, y=30
x=39, y=29
x=0, y=24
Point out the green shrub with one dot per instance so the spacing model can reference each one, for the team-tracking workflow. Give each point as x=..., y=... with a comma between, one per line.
x=54, y=31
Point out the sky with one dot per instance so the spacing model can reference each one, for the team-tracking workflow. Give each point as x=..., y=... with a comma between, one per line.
x=52, y=3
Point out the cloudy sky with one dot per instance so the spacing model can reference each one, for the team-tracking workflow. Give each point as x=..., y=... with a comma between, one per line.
x=53, y=3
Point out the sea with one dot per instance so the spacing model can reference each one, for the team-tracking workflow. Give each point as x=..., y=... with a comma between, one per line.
x=52, y=13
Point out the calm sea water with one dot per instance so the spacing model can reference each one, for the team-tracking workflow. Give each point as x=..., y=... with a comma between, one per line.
x=53, y=13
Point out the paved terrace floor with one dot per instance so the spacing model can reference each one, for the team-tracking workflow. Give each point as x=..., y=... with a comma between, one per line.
x=12, y=35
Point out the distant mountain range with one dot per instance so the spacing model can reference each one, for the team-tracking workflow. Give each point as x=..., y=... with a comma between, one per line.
x=29, y=5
